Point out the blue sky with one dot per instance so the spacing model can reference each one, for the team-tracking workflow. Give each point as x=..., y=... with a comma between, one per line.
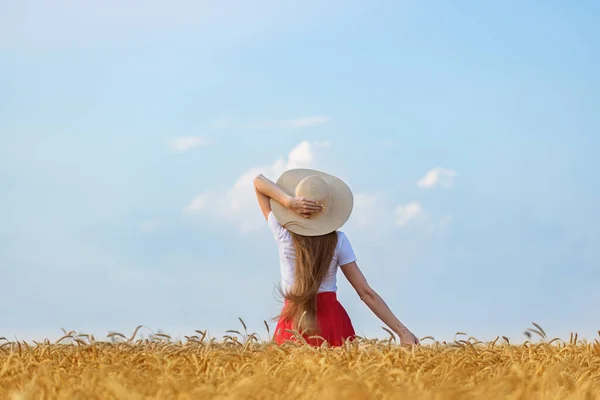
x=130, y=131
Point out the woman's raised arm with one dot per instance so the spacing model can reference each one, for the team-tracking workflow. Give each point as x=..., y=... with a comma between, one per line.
x=266, y=190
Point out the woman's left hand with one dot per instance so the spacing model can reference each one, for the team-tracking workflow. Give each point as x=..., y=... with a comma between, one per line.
x=407, y=338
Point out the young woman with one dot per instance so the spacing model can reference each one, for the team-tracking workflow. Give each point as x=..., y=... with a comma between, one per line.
x=304, y=210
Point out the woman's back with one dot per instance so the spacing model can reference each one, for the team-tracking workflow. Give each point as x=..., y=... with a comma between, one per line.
x=342, y=255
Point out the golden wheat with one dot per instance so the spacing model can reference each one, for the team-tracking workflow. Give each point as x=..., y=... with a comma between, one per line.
x=243, y=367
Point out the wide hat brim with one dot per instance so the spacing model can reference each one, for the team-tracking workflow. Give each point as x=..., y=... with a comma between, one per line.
x=337, y=211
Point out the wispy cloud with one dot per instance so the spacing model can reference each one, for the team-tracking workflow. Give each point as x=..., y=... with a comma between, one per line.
x=324, y=144
x=306, y=122
x=408, y=212
x=237, y=203
x=197, y=204
x=364, y=205
x=294, y=123
x=149, y=226
x=184, y=143
x=438, y=177
x=209, y=21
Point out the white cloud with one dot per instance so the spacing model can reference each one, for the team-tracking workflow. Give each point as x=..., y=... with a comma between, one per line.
x=301, y=156
x=438, y=177
x=408, y=212
x=185, y=143
x=197, y=204
x=238, y=203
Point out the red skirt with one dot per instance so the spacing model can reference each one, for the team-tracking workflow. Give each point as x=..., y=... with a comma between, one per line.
x=334, y=323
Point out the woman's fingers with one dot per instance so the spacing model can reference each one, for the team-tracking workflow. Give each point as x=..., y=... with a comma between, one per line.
x=311, y=205
x=308, y=213
x=308, y=210
x=306, y=207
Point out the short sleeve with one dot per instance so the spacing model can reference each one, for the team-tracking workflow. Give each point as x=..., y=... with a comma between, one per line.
x=274, y=225
x=346, y=253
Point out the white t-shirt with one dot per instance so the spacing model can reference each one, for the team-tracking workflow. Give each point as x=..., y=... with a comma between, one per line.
x=287, y=257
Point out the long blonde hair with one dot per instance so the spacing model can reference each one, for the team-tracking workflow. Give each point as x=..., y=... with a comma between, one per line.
x=313, y=258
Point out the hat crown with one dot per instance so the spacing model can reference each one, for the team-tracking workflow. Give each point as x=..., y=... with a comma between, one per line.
x=313, y=188
x=329, y=191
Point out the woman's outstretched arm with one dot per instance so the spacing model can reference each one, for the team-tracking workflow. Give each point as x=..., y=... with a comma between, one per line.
x=267, y=190
x=376, y=304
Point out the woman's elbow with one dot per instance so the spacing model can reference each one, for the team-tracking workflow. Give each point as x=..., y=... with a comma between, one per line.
x=257, y=179
x=366, y=294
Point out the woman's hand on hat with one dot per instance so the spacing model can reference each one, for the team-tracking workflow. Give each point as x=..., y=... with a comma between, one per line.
x=304, y=207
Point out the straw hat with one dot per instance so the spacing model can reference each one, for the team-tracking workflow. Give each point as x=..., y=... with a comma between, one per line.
x=328, y=190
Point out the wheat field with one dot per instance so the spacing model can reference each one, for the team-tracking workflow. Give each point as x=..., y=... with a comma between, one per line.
x=242, y=366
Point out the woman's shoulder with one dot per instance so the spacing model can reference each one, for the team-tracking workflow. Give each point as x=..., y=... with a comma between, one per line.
x=278, y=231
x=342, y=234
x=344, y=250
x=342, y=239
